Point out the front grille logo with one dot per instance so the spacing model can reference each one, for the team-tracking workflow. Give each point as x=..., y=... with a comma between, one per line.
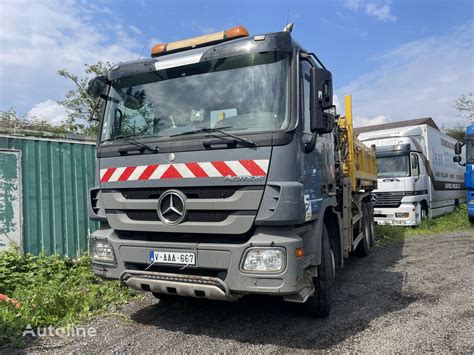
x=172, y=207
x=229, y=178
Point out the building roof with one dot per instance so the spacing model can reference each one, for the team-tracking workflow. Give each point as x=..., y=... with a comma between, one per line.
x=44, y=135
x=414, y=122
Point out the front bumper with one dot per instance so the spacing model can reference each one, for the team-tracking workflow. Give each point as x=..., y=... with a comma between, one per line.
x=386, y=216
x=217, y=273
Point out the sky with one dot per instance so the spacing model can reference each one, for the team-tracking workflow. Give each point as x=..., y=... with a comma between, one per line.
x=399, y=59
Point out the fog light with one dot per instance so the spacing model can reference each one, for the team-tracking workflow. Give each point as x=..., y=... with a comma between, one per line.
x=402, y=214
x=264, y=260
x=470, y=202
x=102, y=251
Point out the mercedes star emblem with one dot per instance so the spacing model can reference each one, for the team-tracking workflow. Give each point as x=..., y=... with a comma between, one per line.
x=171, y=207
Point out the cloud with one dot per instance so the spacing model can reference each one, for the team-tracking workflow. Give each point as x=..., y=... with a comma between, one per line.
x=380, y=9
x=366, y=121
x=336, y=103
x=50, y=111
x=422, y=78
x=37, y=38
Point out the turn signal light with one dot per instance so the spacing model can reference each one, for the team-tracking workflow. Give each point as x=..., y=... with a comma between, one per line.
x=231, y=33
x=299, y=252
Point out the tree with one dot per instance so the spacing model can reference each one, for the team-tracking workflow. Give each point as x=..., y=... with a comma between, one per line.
x=83, y=110
x=458, y=132
x=465, y=106
x=10, y=119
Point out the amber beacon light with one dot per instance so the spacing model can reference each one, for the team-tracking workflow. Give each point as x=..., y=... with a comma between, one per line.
x=222, y=36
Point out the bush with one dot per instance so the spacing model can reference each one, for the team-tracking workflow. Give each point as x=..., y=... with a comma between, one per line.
x=457, y=220
x=51, y=291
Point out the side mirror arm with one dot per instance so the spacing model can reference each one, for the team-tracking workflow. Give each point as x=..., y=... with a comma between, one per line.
x=309, y=147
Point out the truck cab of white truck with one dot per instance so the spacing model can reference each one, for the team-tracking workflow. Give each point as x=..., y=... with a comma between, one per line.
x=416, y=176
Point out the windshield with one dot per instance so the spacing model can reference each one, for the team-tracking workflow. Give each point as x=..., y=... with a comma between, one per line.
x=470, y=151
x=242, y=94
x=393, y=166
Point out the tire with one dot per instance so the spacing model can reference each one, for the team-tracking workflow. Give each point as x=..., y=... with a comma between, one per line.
x=424, y=213
x=363, y=249
x=319, y=304
x=371, y=222
x=471, y=219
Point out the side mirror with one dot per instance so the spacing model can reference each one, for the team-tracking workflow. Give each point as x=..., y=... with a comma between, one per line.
x=458, y=148
x=321, y=99
x=96, y=86
x=322, y=79
x=457, y=159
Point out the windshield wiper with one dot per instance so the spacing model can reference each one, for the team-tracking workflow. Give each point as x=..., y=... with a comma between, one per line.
x=128, y=138
x=141, y=145
x=218, y=130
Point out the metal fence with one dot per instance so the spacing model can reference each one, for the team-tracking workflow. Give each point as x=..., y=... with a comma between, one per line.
x=53, y=176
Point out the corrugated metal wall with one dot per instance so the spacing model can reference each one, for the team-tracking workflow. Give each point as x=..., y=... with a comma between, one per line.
x=56, y=178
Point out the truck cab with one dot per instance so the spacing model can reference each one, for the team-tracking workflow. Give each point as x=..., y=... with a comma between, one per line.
x=469, y=166
x=216, y=173
x=417, y=178
x=401, y=197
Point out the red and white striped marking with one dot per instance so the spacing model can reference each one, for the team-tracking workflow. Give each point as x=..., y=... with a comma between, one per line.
x=185, y=170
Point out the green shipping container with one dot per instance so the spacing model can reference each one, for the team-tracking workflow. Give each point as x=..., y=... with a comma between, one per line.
x=56, y=175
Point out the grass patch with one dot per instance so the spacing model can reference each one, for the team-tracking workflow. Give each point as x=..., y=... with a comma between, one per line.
x=457, y=220
x=52, y=291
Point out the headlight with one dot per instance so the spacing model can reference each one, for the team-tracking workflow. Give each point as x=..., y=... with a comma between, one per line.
x=264, y=260
x=470, y=202
x=102, y=252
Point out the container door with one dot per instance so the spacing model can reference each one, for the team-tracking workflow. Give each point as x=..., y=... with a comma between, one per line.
x=10, y=199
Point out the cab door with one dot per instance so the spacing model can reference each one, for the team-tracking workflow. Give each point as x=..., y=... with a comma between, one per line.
x=313, y=172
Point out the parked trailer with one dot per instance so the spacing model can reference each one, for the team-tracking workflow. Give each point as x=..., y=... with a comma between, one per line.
x=417, y=177
x=469, y=166
x=222, y=173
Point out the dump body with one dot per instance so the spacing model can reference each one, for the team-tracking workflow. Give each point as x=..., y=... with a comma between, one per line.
x=216, y=178
x=359, y=161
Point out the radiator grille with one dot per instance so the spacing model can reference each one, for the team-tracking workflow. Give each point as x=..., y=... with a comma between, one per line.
x=190, y=192
x=192, y=216
x=388, y=199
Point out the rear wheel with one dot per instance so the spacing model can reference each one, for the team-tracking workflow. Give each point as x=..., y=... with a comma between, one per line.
x=371, y=222
x=319, y=304
x=363, y=249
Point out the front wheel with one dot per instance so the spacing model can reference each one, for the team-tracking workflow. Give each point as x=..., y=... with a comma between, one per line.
x=319, y=304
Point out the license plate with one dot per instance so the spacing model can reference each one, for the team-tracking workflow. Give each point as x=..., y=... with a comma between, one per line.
x=169, y=257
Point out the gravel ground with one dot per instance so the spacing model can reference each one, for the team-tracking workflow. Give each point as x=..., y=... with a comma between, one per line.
x=410, y=295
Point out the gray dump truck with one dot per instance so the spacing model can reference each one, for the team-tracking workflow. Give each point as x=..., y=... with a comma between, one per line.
x=223, y=171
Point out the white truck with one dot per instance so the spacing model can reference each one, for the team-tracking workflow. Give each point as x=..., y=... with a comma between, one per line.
x=417, y=177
